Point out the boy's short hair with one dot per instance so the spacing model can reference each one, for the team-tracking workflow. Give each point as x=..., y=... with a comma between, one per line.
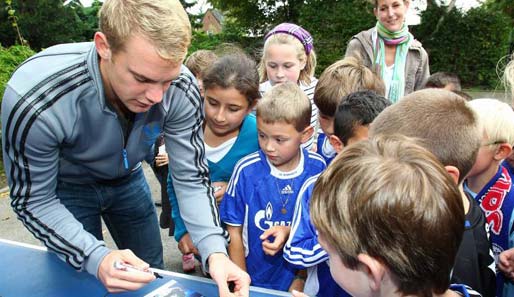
x=199, y=61
x=391, y=199
x=496, y=118
x=357, y=109
x=442, y=79
x=163, y=22
x=442, y=120
x=285, y=102
x=342, y=78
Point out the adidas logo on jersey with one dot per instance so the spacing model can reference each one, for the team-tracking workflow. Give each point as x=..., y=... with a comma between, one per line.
x=286, y=190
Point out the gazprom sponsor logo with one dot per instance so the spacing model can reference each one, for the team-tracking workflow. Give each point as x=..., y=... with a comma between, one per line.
x=263, y=219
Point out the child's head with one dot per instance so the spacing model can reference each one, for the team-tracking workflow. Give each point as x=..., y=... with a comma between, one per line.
x=353, y=116
x=288, y=55
x=442, y=121
x=497, y=121
x=198, y=62
x=338, y=80
x=387, y=213
x=444, y=80
x=231, y=91
x=283, y=123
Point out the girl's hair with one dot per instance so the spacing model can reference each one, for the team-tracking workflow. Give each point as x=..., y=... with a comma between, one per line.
x=285, y=38
x=236, y=71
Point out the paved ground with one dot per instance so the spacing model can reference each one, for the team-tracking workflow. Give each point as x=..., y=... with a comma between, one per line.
x=12, y=229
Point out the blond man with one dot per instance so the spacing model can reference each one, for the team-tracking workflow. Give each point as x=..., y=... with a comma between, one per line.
x=80, y=118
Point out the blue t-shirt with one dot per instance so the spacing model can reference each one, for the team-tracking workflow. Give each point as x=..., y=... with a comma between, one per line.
x=246, y=142
x=259, y=197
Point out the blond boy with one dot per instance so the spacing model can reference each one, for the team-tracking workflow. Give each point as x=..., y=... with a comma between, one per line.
x=489, y=182
x=259, y=201
x=338, y=80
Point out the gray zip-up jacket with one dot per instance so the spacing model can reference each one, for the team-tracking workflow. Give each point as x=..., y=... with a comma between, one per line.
x=416, y=69
x=56, y=126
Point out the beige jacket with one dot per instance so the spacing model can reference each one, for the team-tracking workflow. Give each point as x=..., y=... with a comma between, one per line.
x=417, y=70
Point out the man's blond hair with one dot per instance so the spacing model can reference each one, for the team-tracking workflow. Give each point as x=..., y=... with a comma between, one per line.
x=287, y=103
x=163, y=22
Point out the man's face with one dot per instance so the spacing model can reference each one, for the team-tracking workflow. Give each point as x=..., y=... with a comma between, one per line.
x=136, y=75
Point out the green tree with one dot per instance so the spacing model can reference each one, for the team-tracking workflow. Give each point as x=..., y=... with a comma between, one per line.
x=42, y=22
x=456, y=46
x=257, y=16
x=332, y=24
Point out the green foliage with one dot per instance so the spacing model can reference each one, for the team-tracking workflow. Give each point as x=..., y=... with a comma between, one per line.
x=332, y=24
x=43, y=22
x=10, y=58
x=258, y=16
x=467, y=44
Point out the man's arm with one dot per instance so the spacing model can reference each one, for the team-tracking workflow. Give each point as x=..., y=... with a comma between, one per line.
x=31, y=157
x=190, y=175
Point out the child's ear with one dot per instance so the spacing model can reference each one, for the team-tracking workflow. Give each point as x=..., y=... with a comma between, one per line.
x=336, y=143
x=453, y=172
x=374, y=270
x=307, y=133
x=502, y=151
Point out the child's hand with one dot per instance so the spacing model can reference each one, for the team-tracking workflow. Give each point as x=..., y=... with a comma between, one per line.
x=186, y=246
x=280, y=233
x=506, y=263
x=161, y=160
x=298, y=294
x=219, y=190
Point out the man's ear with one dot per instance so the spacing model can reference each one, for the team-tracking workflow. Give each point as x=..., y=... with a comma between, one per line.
x=502, y=151
x=102, y=46
x=307, y=133
x=336, y=143
x=374, y=270
x=453, y=172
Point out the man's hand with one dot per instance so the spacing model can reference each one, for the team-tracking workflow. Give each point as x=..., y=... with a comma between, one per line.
x=222, y=271
x=280, y=233
x=116, y=280
x=506, y=263
x=186, y=246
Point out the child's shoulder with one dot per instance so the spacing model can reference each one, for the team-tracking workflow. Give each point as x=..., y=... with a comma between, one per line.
x=250, y=163
x=464, y=290
x=314, y=159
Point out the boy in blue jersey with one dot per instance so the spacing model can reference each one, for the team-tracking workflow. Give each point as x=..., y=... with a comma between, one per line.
x=490, y=183
x=391, y=220
x=259, y=202
x=351, y=121
x=338, y=80
x=445, y=124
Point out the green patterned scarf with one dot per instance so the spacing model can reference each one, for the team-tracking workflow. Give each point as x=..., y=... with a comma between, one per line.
x=401, y=39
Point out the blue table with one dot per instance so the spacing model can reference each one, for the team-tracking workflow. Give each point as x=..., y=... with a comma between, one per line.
x=27, y=270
